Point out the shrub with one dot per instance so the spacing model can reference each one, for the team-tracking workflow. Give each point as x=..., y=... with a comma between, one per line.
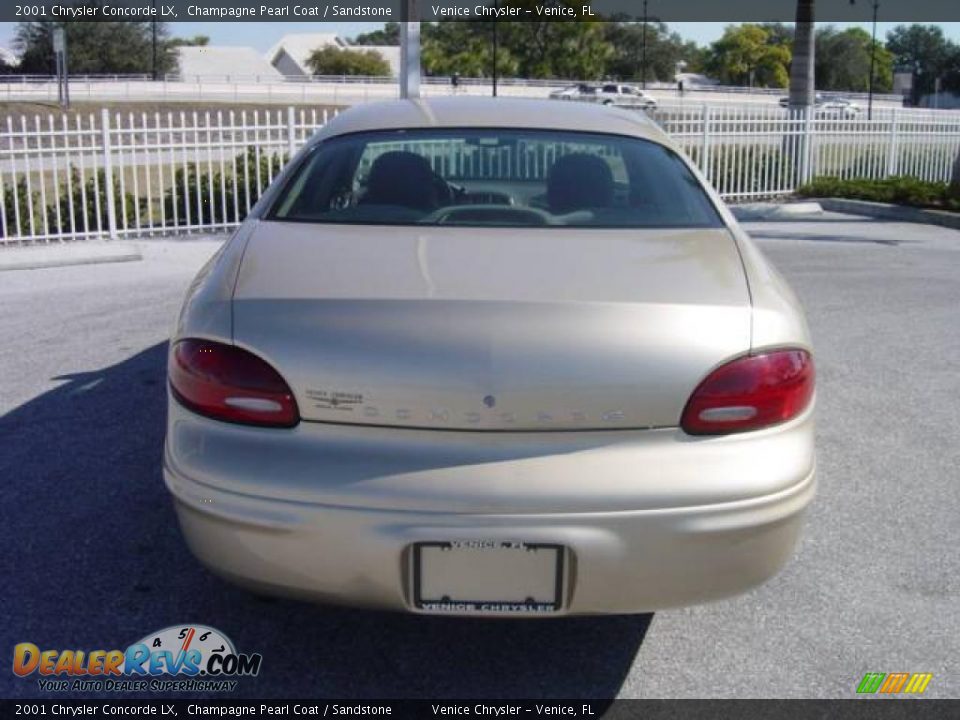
x=347, y=61
x=85, y=214
x=901, y=190
x=20, y=202
x=190, y=192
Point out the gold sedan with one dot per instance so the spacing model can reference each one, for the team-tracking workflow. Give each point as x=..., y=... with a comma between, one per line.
x=495, y=357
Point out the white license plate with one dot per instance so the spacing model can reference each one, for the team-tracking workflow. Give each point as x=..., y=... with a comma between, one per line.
x=488, y=577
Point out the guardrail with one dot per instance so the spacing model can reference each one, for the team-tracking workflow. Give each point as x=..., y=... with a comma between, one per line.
x=320, y=91
x=112, y=174
x=143, y=83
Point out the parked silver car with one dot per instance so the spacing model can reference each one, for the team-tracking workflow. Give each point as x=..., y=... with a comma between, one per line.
x=497, y=357
x=573, y=92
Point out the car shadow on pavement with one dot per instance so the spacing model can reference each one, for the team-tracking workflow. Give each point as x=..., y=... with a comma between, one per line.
x=94, y=560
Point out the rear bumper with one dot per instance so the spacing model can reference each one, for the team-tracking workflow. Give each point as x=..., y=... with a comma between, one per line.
x=635, y=559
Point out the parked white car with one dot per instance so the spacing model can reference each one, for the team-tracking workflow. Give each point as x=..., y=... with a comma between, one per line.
x=625, y=95
x=829, y=107
x=838, y=107
x=607, y=94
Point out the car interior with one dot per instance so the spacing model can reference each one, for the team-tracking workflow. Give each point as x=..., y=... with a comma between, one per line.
x=508, y=179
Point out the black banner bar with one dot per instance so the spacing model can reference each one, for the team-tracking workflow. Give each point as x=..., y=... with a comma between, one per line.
x=380, y=11
x=859, y=709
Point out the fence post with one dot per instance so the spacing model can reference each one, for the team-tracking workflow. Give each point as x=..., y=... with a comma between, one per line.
x=291, y=132
x=893, y=150
x=705, y=147
x=108, y=173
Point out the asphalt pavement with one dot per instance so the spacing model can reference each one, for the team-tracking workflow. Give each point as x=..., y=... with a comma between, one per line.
x=94, y=559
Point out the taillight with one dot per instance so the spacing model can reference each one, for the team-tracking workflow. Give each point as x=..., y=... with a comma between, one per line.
x=228, y=383
x=751, y=392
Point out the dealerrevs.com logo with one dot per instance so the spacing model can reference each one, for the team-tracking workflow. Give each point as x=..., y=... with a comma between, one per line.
x=177, y=658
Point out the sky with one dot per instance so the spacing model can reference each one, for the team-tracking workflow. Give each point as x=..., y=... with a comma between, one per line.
x=263, y=35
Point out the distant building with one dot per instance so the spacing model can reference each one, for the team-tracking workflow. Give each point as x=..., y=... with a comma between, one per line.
x=223, y=61
x=903, y=82
x=289, y=56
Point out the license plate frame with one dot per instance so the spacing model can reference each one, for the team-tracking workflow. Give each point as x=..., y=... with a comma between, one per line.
x=446, y=604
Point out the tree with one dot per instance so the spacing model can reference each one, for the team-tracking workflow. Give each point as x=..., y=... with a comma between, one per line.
x=196, y=40
x=802, y=87
x=843, y=61
x=464, y=48
x=745, y=55
x=388, y=35
x=802, y=67
x=778, y=33
x=94, y=47
x=665, y=50
x=545, y=49
x=534, y=49
x=925, y=51
x=332, y=60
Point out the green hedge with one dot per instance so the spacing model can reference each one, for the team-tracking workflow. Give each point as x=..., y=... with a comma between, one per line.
x=901, y=190
x=203, y=196
x=195, y=187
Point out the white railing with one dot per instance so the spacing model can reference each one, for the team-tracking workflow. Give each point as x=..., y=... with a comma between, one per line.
x=169, y=172
x=754, y=152
x=552, y=83
x=116, y=174
x=339, y=89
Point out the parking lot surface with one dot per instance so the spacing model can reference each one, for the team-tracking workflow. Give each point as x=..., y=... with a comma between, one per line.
x=93, y=557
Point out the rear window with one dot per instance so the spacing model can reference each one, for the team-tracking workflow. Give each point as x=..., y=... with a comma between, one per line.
x=494, y=178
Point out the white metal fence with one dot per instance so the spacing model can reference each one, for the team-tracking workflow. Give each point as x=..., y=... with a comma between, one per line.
x=754, y=152
x=116, y=174
x=121, y=174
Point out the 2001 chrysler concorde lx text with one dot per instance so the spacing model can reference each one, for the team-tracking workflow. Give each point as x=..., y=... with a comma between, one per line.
x=498, y=357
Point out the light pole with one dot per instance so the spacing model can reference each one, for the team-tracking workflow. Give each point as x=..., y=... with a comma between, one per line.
x=63, y=76
x=153, y=30
x=873, y=56
x=495, y=44
x=410, y=50
x=873, y=59
x=644, y=58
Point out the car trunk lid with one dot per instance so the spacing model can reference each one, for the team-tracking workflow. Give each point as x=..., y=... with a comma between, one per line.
x=491, y=328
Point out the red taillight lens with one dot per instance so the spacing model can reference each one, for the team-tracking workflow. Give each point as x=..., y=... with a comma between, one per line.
x=750, y=393
x=228, y=383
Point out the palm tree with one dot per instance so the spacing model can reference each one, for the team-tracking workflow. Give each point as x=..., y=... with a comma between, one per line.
x=801, y=69
x=801, y=90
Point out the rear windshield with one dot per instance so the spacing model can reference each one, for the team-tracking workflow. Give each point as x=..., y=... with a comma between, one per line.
x=494, y=178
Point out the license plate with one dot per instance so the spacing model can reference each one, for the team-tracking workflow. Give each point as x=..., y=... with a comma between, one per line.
x=488, y=577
